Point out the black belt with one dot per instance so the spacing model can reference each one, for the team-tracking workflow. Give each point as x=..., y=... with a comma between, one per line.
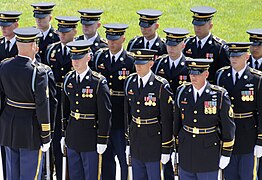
x=243, y=115
x=23, y=105
x=82, y=116
x=196, y=130
x=139, y=121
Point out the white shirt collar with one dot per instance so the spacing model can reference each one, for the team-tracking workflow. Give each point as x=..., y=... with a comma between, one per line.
x=258, y=60
x=116, y=55
x=46, y=32
x=200, y=91
x=12, y=42
x=63, y=48
x=92, y=39
x=144, y=79
x=151, y=42
x=176, y=61
x=204, y=40
x=240, y=73
x=83, y=74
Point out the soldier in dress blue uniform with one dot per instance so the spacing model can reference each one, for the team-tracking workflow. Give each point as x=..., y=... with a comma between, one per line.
x=90, y=20
x=172, y=67
x=255, y=60
x=8, y=22
x=148, y=116
x=149, y=39
x=116, y=65
x=245, y=89
x=204, y=44
x=25, y=120
x=42, y=14
x=89, y=123
x=58, y=58
x=203, y=124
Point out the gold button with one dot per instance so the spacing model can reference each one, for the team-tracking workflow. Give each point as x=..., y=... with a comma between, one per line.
x=77, y=110
x=195, y=120
x=77, y=95
x=194, y=135
x=232, y=98
x=215, y=144
x=137, y=102
x=138, y=110
x=77, y=102
x=68, y=93
x=171, y=81
x=111, y=76
x=63, y=77
x=195, y=112
x=138, y=126
x=232, y=105
x=51, y=65
x=62, y=69
x=110, y=84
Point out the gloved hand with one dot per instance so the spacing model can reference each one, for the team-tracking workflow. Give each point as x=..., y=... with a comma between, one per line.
x=62, y=143
x=101, y=148
x=223, y=162
x=258, y=151
x=165, y=158
x=174, y=158
x=127, y=153
x=45, y=146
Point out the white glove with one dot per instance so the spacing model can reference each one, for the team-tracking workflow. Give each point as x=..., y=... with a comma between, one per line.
x=127, y=153
x=173, y=160
x=101, y=148
x=62, y=143
x=258, y=151
x=165, y=158
x=224, y=161
x=45, y=146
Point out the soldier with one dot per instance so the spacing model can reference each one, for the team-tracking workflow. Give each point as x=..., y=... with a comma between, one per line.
x=42, y=14
x=204, y=44
x=58, y=58
x=149, y=39
x=87, y=132
x=115, y=64
x=255, y=59
x=203, y=118
x=8, y=22
x=244, y=87
x=25, y=120
x=90, y=20
x=148, y=116
x=172, y=67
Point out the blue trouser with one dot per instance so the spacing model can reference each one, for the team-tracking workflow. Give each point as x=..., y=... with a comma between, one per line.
x=82, y=165
x=241, y=167
x=259, y=171
x=185, y=175
x=168, y=171
x=23, y=164
x=116, y=146
x=145, y=170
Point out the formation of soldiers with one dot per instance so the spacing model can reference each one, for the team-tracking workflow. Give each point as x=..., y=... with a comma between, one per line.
x=184, y=106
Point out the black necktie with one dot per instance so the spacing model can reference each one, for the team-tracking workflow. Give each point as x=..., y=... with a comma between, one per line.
x=113, y=61
x=141, y=85
x=78, y=79
x=236, y=78
x=256, y=64
x=65, y=52
x=147, y=45
x=173, y=69
x=197, y=97
x=7, y=47
x=199, y=45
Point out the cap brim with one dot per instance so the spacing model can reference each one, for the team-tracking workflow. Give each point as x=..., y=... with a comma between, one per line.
x=6, y=23
x=198, y=23
x=87, y=22
x=256, y=44
x=64, y=30
x=77, y=56
x=144, y=24
x=195, y=71
x=110, y=37
x=236, y=54
x=141, y=62
x=40, y=16
x=172, y=43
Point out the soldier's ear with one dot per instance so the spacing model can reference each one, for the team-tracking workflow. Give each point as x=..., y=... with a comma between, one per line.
x=50, y=17
x=98, y=24
x=75, y=31
x=157, y=25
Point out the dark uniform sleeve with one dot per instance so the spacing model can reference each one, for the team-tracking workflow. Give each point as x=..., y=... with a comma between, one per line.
x=227, y=125
x=42, y=105
x=259, y=111
x=166, y=110
x=104, y=108
x=223, y=56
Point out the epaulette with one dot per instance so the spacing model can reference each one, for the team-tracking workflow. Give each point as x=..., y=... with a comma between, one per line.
x=255, y=71
x=53, y=44
x=69, y=73
x=98, y=75
x=102, y=49
x=130, y=53
x=130, y=75
x=103, y=40
x=161, y=79
x=218, y=88
x=223, y=68
x=161, y=57
x=219, y=40
x=184, y=84
x=163, y=40
x=7, y=59
x=189, y=38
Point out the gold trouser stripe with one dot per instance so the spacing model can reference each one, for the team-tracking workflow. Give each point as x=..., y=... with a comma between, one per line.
x=99, y=166
x=255, y=168
x=38, y=164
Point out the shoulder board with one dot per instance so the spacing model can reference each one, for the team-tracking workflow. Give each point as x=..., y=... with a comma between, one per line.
x=53, y=44
x=135, y=37
x=161, y=57
x=103, y=49
x=98, y=75
x=189, y=38
x=129, y=53
x=161, y=79
x=7, y=59
x=255, y=71
x=130, y=75
x=69, y=73
x=217, y=88
x=223, y=68
x=185, y=84
x=219, y=40
x=103, y=40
